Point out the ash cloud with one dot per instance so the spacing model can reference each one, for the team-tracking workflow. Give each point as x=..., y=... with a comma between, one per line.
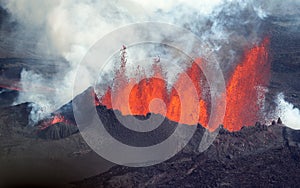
x=70, y=28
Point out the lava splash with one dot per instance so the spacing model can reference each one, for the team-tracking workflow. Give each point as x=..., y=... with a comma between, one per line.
x=179, y=103
x=245, y=89
x=182, y=103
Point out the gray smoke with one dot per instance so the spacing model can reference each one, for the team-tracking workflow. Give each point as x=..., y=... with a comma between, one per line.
x=70, y=28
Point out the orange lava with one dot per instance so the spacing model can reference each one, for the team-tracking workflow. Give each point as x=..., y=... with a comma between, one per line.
x=58, y=119
x=182, y=103
x=242, y=89
x=186, y=103
x=188, y=100
x=53, y=120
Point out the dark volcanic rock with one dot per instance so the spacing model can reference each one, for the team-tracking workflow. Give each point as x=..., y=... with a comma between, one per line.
x=58, y=131
x=131, y=137
x=14, y=120
x=253, y=156
x=29, y=161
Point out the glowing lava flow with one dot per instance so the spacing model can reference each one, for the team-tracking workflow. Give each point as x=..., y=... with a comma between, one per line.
x=242, y=89
x=180, y=104
x=53, y=120
x=199, y=112
x=58, y=119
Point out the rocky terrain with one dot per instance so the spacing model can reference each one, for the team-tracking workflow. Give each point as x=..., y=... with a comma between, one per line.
x=285, y=58
x=254, y=156
x=58, y=156
x=28, y=159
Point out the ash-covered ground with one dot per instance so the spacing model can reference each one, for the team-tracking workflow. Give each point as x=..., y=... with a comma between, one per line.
x=254, y=156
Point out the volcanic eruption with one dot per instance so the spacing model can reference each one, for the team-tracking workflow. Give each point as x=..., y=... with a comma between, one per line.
x=243, y=97
x=66, y=93
x=243, y=94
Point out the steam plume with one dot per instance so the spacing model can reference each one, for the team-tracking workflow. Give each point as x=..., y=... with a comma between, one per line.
x=289, y=114
x=72, y=27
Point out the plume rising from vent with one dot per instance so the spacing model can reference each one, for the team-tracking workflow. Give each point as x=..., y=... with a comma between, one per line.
x=69, y=29
x=242, y=95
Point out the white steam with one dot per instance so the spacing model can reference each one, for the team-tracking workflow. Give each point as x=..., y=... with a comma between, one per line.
x=44, y=92
x=289, y=114
x=72, y=27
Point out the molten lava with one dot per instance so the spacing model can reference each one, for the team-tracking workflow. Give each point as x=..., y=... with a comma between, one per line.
x=188, y=100
x=58, y=119
x=242, y=89
x=183, y=103
x=195, y=107
x=53, y=120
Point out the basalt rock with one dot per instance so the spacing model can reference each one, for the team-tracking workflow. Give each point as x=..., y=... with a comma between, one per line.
x=58, y=131
x=257, y=155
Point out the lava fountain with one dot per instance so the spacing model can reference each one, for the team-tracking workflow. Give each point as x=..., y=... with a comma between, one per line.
x=133, y=97
x=242, y=95
x=143, y=95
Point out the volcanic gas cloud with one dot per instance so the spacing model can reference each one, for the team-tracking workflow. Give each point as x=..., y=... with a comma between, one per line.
x=243, y=92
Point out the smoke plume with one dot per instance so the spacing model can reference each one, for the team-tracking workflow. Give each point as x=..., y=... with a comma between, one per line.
x=72, y=27
x=289, y=114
